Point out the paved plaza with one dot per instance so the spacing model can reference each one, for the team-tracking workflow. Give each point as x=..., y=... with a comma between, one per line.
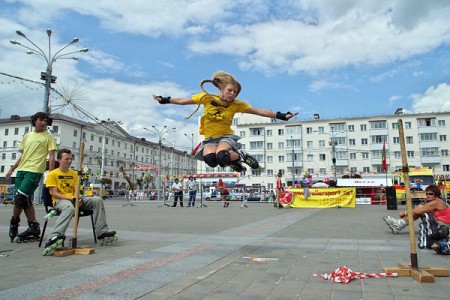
x=258, y=252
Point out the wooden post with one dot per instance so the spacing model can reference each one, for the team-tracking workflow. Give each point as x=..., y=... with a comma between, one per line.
x=77, y=195
x=424, y=274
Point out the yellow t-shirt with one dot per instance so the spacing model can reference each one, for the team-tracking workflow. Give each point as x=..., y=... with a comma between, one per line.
x=217, y=118
x=36, y=146
x=64, y=181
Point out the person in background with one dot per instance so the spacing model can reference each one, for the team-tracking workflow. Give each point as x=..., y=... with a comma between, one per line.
x=35, y=148
x=278, y=189
x=177, y=189
x=192, y=187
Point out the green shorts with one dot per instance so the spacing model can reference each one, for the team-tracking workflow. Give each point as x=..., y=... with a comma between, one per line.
x=27, y=182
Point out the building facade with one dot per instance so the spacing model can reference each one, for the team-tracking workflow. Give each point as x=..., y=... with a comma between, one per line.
x=326, y=149
x=107, y=146
x=336, y=147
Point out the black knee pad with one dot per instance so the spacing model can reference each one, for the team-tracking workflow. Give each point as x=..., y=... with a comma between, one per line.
x=210, y=160
x=22, y=201
x=224, y=158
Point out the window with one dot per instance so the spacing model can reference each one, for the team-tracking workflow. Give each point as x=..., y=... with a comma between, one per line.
x=322, y=170
x=378, y=125
x=5, y=144
x=6, y=131
x=3, y=156
x=310, y=157
x=74, y=145
x=444, y=152
x=337, y=127
x=322, y=157
x=281, y=131
x=428, y=136
x=410, y=154
x=100, y=139
x=441, y=123
x=341, y=155
x=395, y=126
x=2, y=169
x=269, y=146
x=270, y=172
x=15, y=144
x=446, y=168
x=321, y=129
x=363, y=127
x=396, y=140
x=309, y=130
x=281, y=158
x=107, y=140
x=351, y=127
x=409, y=139
x=309, y=144
x=378, y=139
x=364, y=142
x=352, y=156
x=242, y=134
x=365, y=155
x=257, y=145
x=270, y=159
x=16, y=131
x=426, y=122
x=397, y=154
x=55, y=128
x=280, y=145
x=311, y=170
x=352, y=142
x=91, y=148
x=443, y=138
x=269, y=132
x=366, y=169
x=26, y=130
x=92, y=137
x=408, y=125
x=294, y=129
x=322, y=143
x=354, y=169
x=75, y=133
x=13, y=155
x=430, y=152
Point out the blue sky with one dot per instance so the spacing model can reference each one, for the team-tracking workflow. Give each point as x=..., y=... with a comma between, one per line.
x=336, y=58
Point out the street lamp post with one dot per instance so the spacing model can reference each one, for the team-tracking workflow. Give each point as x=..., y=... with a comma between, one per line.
x=293, y=157
x=192, y=150
x=161, y=133
x=333, y=144
x=47, y=75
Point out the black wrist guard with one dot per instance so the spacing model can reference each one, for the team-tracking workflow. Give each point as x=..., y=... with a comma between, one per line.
x=164, y=100
x=281, y=116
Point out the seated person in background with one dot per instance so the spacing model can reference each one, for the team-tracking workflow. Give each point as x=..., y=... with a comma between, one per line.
x=435, y=215
x=61, y=183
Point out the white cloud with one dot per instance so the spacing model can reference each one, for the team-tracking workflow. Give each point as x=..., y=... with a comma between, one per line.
x=435, y=98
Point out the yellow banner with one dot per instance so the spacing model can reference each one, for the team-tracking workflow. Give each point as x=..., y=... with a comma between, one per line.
x=324, y=197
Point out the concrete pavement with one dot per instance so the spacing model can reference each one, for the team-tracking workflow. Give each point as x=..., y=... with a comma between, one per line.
x=204, y=253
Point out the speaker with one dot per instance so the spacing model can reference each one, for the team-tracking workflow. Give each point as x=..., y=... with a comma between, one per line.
x=391, y=198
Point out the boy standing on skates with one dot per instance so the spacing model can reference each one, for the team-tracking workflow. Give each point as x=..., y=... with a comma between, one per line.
x=35, y=148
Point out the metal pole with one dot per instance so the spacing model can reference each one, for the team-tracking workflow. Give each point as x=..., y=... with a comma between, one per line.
x=102, y=167
x=293, y=157
x=333, y=149
x=159, y=170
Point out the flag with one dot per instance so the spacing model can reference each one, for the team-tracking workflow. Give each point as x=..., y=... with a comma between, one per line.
x=383, y=156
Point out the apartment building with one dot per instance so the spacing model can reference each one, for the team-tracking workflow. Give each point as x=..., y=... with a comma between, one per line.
x=107, y=146
x=337, y=147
